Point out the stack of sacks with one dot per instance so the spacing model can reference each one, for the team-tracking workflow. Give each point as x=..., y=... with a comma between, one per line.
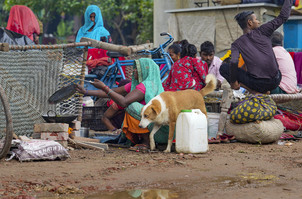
x=252, y=120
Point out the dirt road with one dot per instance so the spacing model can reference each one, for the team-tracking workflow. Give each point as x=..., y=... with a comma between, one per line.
x=235, y=170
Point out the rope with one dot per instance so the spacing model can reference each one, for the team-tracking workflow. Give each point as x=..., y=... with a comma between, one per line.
x=276, y=97
x=56, y=46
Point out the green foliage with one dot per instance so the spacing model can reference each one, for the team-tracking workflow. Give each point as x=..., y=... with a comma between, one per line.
x=64, y=30
x=46, y=10
x=130, y=13
x=3, y=16
x=130, y=20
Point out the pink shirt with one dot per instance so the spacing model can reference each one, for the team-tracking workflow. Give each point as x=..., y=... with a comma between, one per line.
x=214, y=68
x=287, y=68
x=141, y=87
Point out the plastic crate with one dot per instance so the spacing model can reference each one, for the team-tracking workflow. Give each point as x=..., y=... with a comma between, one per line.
x=91, y=118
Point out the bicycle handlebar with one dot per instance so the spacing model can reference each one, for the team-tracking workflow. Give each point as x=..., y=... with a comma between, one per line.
x=170, y=40
x=164, y=34
x=161, y=46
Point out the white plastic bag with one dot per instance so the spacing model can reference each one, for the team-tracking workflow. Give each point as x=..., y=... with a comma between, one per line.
x=40, y=150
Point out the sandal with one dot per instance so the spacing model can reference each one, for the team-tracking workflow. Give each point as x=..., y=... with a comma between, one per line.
x=285, y=136
x=213, y=141
x=139, y=147
x=224, y=139
x=230, y=137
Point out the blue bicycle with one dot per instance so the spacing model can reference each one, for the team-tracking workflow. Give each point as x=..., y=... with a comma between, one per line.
x=165, y=60
x=114, y=73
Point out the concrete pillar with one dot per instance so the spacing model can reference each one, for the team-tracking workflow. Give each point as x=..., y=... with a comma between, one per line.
x=160, y=18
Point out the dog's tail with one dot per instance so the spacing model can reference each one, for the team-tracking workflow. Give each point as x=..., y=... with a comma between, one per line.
x=210, y=85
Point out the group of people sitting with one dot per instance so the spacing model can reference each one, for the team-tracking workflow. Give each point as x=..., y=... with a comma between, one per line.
x=257, y=62
x=266, y=68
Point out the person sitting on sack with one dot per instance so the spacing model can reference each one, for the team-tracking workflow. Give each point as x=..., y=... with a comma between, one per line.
x=262, y=73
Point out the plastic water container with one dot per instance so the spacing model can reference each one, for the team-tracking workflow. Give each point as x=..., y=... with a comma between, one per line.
x=191, y=132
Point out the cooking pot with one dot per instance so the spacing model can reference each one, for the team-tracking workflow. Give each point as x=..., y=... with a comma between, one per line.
x=58, y=118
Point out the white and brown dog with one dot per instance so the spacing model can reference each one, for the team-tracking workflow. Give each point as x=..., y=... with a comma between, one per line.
x=164, y=108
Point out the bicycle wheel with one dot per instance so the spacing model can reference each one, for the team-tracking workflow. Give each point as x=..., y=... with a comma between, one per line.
x=6, y=124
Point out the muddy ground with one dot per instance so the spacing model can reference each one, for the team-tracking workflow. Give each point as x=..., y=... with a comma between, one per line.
x=234, y=170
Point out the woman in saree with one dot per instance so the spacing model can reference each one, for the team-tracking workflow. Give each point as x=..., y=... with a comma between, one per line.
x=93, y=27
x=145, y=85
x=22, y=20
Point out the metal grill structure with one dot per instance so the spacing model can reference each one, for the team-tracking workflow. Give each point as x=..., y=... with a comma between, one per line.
x=30, y=76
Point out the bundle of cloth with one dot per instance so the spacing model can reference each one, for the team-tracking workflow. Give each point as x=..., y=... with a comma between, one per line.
x=252, y=120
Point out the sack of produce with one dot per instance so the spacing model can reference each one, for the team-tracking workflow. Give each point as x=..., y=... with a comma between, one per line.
x=261, y=132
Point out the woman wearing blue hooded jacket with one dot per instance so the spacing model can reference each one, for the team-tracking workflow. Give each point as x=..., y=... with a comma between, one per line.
x=94, y=26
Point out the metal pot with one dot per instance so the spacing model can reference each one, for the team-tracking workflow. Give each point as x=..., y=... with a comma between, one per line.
x=58, y=118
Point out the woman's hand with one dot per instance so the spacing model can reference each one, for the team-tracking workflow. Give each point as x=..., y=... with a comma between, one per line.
x=98, y=84
x=80, y=89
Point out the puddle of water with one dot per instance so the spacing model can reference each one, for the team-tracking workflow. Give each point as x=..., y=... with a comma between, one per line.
x=259, y=177
x=230, y=182
x=137, y=194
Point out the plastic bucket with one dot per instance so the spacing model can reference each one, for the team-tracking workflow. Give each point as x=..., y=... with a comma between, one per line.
x=213, y=120
x=84, y=132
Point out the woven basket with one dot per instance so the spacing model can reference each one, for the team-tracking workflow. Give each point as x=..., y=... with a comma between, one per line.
x=265, y=132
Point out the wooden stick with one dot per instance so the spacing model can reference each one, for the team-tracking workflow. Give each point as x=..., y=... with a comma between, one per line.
x=107, y=46
x=227, y=98
x=137, y=48
x=56, y=46
x=86, y=145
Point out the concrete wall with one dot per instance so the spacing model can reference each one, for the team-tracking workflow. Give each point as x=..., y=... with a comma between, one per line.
x=160, y=18
x=215, y=24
